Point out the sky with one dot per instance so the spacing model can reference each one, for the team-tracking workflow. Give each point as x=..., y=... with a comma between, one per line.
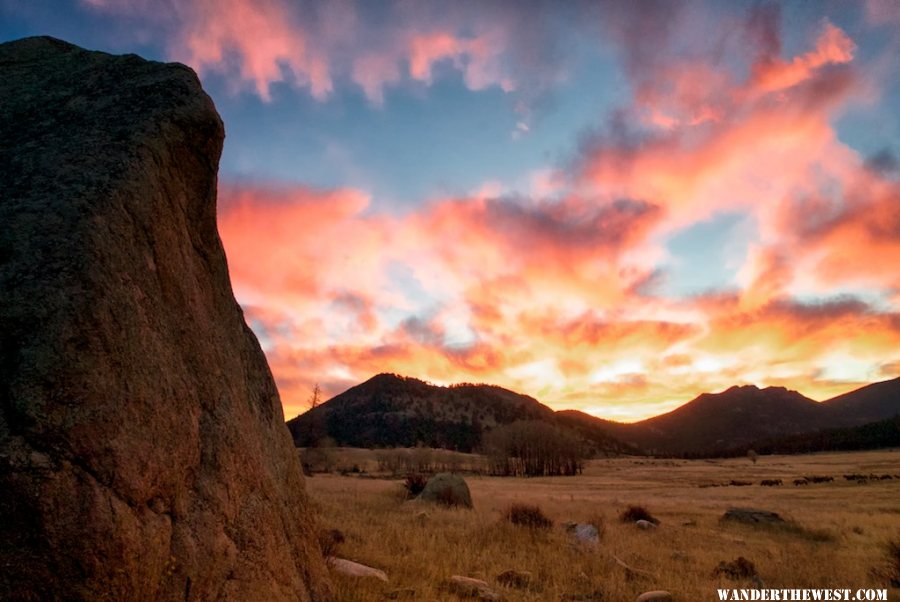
x=610, y=206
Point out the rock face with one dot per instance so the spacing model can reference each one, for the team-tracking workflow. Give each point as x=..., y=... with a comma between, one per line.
x=143, y=452
x=447, y=489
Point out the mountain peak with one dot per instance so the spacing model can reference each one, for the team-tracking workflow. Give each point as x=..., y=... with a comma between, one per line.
x=391, y=409
x=736, y=388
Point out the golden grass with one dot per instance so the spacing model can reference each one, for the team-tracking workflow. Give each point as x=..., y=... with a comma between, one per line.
x=838, y=537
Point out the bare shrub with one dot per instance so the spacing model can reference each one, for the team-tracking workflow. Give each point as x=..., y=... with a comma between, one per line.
x=329, y=540
x=414, y=484
x=526, y=515
x=635, y=513
x=739, y=568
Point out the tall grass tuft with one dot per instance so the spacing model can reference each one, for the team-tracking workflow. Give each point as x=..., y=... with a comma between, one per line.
x=526, y=515
x=635, y=513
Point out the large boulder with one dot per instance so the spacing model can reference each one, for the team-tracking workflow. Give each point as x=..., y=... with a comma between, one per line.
x=447, y=489
x=143, y=451
x=752, y=516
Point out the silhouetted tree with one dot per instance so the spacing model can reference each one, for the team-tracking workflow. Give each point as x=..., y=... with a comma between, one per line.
x=317, y=430
x=315, y=398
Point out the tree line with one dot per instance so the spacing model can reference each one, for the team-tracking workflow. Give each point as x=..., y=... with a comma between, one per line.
x=532, y=448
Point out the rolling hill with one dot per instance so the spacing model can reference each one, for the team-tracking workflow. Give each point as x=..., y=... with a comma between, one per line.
x=395, y=411
x=867, y=404
x=737, y=416
x=391, y=410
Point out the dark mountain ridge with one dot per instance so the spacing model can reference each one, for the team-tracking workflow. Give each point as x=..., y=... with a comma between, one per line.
x=868, y=404
x=736, y=416
x=747, y=416
x=391, y=410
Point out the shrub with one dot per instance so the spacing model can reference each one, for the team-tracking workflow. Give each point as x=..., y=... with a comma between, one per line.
x=635, y=513
x=525, y=515
x=893, y=557
x=740, y=568
x=414, y=483
x=329, y=540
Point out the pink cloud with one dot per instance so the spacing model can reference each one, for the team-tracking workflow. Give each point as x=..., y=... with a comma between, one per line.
x=833, y=47
x=258, y=43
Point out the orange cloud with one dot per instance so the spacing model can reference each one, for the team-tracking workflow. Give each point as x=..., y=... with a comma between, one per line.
x=559, y=297
x=514, y=282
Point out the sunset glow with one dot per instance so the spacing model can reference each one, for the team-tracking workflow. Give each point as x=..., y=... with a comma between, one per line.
x=611, y=207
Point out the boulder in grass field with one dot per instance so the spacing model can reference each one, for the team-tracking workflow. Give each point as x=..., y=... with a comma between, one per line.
x=355, y=569
x=584, y=533
x=143, y=450
x=752, y=516
x=447, y=489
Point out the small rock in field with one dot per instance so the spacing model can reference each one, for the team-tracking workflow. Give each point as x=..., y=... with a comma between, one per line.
x=689, y=523
x=516, y=579
x=751, y=516
x=655, y=596
x=467, y=587
x=586, y=533
x=644, y=524
x=355, y=569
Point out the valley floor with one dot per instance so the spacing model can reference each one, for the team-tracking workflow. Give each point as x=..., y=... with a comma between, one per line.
x=840, y=541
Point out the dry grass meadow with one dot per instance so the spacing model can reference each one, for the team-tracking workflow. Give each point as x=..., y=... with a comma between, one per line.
x=839, y=540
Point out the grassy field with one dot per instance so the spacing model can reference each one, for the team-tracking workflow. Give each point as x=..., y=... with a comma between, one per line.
x=839, y=539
